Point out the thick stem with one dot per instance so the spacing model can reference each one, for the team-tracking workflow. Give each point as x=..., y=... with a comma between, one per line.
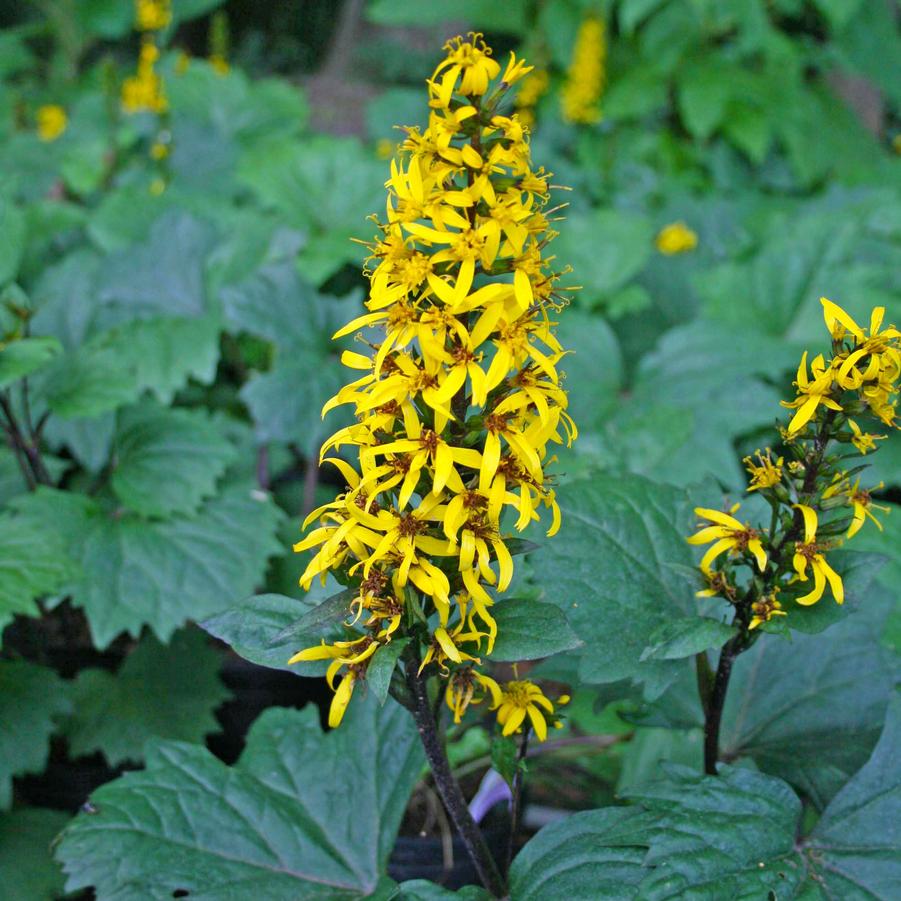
x=447, y=785
x=516, y=802
x=713, y=712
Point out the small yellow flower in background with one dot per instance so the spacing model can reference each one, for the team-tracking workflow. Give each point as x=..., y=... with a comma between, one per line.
x=157, y=186
x=765, y=609
x=152, y=15
x=51, y=122
x=587, y=74
x=385, y=148
x=519, y=700
x=144, y=91
x=159, y=150
x=764, y=473
x=728, y=534
x=675, y=238
x=809, y=551
x=896, y=143
x=219, y=41
x=532, y=89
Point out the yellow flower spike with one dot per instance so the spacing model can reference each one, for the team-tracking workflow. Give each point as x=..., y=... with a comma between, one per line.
x=676, y=238
x=51, y=122
x=152, y=15
x=810, y=552
x=586, y=76
x=459, y=399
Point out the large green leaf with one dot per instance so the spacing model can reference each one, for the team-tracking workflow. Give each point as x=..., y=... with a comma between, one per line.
x=161, y=691
x=164, y=273
x=286, y=402
x=167, y=460
x=301, y=815
x=609, y=570
x=33, y=563
x=511, y=18
x=21, y=358
x=855, y=848
x=528, y=629
x=261, y=628
x=32, y=699
x=136, y=571
x=25, y=838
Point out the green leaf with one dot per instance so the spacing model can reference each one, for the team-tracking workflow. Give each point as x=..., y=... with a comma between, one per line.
x=261, y=629
x=286, y=402
x=14, y=231
x=512, y=18
x=528, y=630
x=607, y=570
x=162, y=274
x=26, y=835
x=704, y=90
x=594, y=854
x=838, y=12
x=382, y=666
x=686, y=637
x=21, y=358
x=504, y=756
x=423, y=890
x=161, y=691
x=855, y=848
x=32, y=699
x=33, y=563
x=167, y=460
x=606, y=248
x=301, y=815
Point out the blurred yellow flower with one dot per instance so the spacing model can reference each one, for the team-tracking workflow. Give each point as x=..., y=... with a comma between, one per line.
x=51, y=122
x=675, y=238
x=152, y=15
x=587, y=73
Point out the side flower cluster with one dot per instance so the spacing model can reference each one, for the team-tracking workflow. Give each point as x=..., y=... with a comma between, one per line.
x=817, y=504
x=457, y=402
x=586, y=77
x=144, y=91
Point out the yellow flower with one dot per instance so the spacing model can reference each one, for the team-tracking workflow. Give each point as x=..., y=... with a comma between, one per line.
x=144, y=90
x=896, y=143
x=859, y=499
x=159, y=150
x=810, y=552
x=718, y=585
x=811, y=393
x=764, y=473
x=765, y=609
x=728, y=534
x=531, y=91
x=520, y=699
x=51, y=121
x=863, y=441
x=458, y=403
x=467, y=686
x=675, y=238
x=587, y=73
x=219, y=64
x=152, y=15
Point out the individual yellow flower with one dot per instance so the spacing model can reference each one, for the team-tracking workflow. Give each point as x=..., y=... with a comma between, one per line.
x=728, y=534
x=863, y=441
x=152, y=15
x=764, y=473
x=458, y=405
x=587, y=73
x=765, y=609
x=51, y=122
x=676, y=238
x=144, y=91
x=810, y=552
x=520, y=699
x=468, y=686
x=159, y=150
x=718, y=585
x=859, y=499
x=812, y=392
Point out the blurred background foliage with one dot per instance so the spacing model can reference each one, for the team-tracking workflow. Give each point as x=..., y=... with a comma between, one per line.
x=170, y=279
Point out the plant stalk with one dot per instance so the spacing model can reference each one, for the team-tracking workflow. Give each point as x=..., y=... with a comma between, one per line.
x=447, y=785
x=713, y=709
x=516, y=802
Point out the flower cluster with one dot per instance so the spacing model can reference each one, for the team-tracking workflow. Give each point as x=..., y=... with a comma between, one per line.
x=144, y=91
x=51, y=122
x=816, y=504
x=587, y=73
x=457, y=403
x=534, y=86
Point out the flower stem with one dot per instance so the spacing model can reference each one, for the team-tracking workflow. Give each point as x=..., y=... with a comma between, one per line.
x=713, y=712
x=516, y=802
x=448, y=787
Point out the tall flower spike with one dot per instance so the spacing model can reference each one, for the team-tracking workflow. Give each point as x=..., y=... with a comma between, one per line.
x=458, y=401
